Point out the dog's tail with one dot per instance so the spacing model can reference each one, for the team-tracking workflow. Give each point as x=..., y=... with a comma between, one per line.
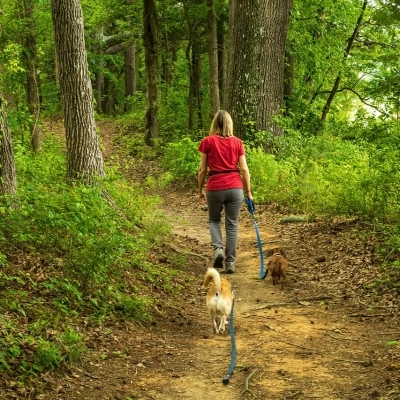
x=212, y=275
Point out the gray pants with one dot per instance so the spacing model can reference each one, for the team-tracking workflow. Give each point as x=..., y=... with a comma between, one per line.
x=231, y=200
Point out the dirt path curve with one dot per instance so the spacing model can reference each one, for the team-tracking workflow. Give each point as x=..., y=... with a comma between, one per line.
x=300, y=348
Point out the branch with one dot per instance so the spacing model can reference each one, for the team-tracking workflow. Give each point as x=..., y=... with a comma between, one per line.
x=313, y=298
x=188, y=252
x=362, y=99
x=116, y=48
x=246, y=387
x=338, y=77
x=369, y=43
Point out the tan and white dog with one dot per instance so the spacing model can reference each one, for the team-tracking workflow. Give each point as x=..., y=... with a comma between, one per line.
x=219, y=298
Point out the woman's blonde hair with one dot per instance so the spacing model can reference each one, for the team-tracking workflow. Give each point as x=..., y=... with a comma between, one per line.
x=222, y=124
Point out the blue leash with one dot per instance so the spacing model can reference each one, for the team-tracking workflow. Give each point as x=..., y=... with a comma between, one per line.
x=225, y=379
x=252, y=209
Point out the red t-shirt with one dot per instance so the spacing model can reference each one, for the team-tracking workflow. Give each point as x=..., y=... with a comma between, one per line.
x=222, y=155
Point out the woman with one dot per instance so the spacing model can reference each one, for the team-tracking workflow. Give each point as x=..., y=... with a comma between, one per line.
x=223, y=154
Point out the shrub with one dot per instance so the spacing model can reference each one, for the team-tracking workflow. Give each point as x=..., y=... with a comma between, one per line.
x=182, y=159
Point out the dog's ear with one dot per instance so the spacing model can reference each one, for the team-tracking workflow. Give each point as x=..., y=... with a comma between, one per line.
x=282, y=251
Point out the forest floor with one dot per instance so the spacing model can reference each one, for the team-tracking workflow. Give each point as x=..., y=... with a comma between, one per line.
x=323, y=337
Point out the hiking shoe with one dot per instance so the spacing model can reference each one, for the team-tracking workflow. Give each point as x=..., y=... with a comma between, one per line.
x=230, y=268
x=218, y=258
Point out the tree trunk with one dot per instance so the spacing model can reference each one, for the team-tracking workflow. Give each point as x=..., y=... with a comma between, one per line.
x=130, y=71
x=338, y=78
x=150, y=38
x=109, y=101
x=213, y=58
x=256, y=64
x=99, y=76
x=8, y=175
x=130, y=66
x=84, y=158
x=191, y=86
x=288, y=74
x=198, y=82
x=165, y=62
x=32, y=86
x=221, y=60
x=189, y=58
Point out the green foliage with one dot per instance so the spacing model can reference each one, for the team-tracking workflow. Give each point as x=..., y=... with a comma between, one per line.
x=392, y=343
x=328, y=176
x=76, y=224
x=89, y=248
x=264, y=174
x=182, y=159
x=32, y=354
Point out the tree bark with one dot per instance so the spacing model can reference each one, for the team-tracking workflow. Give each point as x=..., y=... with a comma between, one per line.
x=198, y=82
x=8, y=175
x=109, y=101
x=84, y=158
x=191, y=86
x=32, y=85
x=150, y=37
x=288, y=86
x=130, y=71
x=213, y=58
x=338, y=77
x=99, y=76
x=258, y=32
x=221, y=32
x=189, y=59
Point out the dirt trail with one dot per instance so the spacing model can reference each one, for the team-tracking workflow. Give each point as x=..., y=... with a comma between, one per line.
x=289, y=345
x=304, y=349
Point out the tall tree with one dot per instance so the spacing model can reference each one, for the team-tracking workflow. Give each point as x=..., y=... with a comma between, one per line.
x=256, y=64
x=130, y=65
x=130, y=70
x=195, y=23
x=221, y=44
x=213, y=57
x=349, y=46
x=84, y=157
x=8, y=176
x=150, y=38
x=30, y=59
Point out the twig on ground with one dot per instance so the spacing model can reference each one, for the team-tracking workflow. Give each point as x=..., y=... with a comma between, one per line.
x=341, y=338
x=291, y=395
x=286, y=303
x=369, y=315
x=246, y=386
x=373, y=305
x=272, y=328
x=188, y=252
x=90, y=376
x=165, y=194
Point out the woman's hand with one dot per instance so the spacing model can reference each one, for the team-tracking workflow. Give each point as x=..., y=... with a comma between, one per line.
x=202, y=199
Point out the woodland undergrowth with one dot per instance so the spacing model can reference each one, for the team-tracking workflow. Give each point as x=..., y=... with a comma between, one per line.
x=72, y=258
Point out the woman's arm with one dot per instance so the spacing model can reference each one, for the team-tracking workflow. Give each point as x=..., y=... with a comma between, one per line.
x=244, y=169
x=201, y=177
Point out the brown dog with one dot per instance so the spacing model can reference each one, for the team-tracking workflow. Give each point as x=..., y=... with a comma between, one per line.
x=219, y=298
x=278, y=265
